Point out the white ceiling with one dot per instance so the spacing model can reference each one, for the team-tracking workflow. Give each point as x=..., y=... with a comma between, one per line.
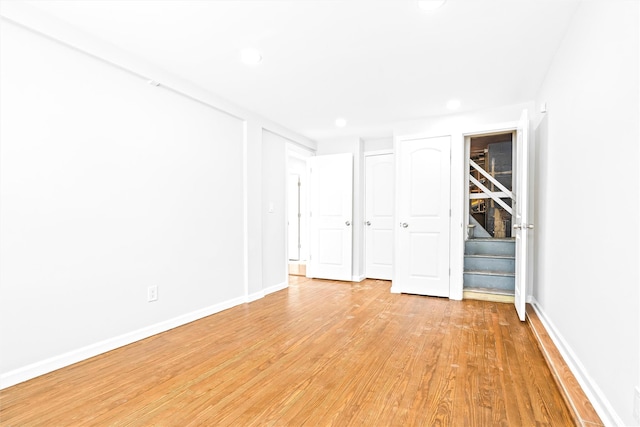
x=372, y=62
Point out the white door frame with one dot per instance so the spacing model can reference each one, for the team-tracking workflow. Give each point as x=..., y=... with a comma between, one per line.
x=503, y=127
x=466, y=138
x=295, y=151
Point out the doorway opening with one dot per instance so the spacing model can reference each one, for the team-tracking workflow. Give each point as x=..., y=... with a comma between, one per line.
x=490, y=214
x=489, y=256
x=297, y=221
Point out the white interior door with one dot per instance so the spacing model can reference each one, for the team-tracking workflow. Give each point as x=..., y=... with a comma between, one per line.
x=293, y=217
x=379, y=206
x=521, y=225
x=421, y=264
x=330, y=216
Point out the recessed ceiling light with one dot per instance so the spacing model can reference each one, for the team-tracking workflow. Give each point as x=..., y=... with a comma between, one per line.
x=430, y=5
x=250, y=56
x=341, y=123
x=453, y=104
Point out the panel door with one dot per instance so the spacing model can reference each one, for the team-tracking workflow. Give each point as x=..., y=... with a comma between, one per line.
x=379, y=207
x=422, y=242
x=330, y=216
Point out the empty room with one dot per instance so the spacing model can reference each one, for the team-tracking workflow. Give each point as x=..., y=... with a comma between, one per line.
x=319, y=212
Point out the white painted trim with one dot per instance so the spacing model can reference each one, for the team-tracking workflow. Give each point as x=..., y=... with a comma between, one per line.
x=499, y=194
x=42, y=367
x=358, y=278
x=597, y=398
x=491, y=179
x=491, y=194
x=395, y=290
x=492, y=129
x=275, y=288
x=245, y=206
x=378, y=152
x=255, y=296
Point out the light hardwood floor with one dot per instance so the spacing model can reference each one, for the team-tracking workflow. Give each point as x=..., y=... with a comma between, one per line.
x=318, y=353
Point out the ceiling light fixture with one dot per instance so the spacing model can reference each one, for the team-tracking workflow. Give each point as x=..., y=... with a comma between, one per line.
x=453, y=104
x=250, y=56
x=430, y=5
x=341, y=123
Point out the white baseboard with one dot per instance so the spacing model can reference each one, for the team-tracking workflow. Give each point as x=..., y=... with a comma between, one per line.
x=42, y=367
x=597, y=398
x=358, y=278
x=266, y=291
x=255, y=296
x=275, y=288
x=395, y=289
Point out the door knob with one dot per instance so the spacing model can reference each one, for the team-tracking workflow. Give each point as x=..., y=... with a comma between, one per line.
x=368, y=223
x=348, y=223
x=404, y=225
x=517, y=226
x=530, y=226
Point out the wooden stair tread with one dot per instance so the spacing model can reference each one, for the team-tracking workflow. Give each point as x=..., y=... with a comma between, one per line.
x=490, y=256
x=490, y=273
x=488, y=294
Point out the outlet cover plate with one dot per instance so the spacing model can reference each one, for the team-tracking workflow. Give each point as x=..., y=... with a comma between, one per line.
x=152, y=293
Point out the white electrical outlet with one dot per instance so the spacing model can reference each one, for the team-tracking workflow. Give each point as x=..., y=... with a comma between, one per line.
x=636, y=404
x=152, y=293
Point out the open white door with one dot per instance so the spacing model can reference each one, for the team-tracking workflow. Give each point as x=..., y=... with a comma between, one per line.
x=330, y=216
x=421, y=263
x=379, y=205
x=521, y=226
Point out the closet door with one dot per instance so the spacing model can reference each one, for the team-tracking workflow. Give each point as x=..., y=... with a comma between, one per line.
x=379, y=205
x=330, y=216
x=423, y=210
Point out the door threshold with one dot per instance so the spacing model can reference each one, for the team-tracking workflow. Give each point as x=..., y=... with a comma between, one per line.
x=488, y=294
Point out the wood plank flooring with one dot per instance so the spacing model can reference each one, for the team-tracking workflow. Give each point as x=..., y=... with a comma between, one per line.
x=318, y=353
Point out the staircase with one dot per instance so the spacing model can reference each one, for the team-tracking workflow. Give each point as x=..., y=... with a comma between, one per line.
x=489, y=269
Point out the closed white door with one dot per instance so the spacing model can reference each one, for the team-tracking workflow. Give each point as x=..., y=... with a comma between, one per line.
x=330, y=216
x=421, y=264
x=521, y=225
x=293, y=216
x=379, y=206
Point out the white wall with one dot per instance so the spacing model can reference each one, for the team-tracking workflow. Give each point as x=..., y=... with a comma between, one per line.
x=109, y=185
x=355, y=146
x=274, y=213
x=587, y=203
x=378, y=144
